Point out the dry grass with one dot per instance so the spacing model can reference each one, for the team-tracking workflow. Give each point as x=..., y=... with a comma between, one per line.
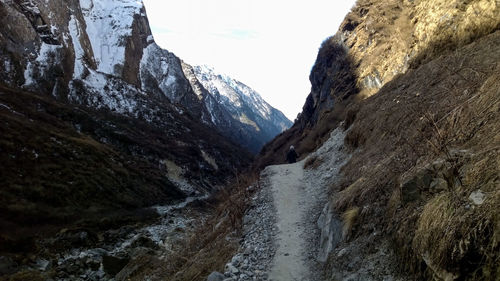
x=313, y=162
x=452, y=236
x=347, y=196
x=349, y=219
x=454, y=110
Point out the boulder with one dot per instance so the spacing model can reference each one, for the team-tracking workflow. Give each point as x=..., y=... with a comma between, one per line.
x=112, y=265
x=331, y=232
x=477, y=197
x=7, y=265
x=146, y=242
x=411, y=188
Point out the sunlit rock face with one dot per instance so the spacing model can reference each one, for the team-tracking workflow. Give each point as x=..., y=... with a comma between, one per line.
x=380, y=40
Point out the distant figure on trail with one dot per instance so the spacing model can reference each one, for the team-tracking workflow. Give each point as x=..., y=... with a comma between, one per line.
x=291, y=156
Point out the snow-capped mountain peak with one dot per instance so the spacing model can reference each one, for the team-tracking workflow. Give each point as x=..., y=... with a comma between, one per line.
x=244, y=104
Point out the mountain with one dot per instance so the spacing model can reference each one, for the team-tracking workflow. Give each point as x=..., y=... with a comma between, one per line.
x=247, y=119
x=414, y=87
x=97, y=118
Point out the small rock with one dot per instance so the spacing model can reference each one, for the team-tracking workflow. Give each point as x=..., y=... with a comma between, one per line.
x=231, y=269
x=342, y=252
x=248, y=251
x=477, y=197
x=438, y=185
x=215, y=276
x=236, y=260
x=42, y=264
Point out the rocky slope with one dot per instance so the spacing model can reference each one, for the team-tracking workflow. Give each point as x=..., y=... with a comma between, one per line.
x=416, y=84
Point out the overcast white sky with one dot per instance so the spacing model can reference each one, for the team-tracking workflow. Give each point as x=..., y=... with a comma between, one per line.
x=270, y=45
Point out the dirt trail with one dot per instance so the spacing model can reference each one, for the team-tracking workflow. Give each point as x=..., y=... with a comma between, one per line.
x=286, y=186
x=299, y=197
x=293, y=199
x=282, y=239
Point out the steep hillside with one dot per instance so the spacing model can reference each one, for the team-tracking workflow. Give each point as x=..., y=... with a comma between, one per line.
x=425, y=171
x=62, y=159
x=415, y=84
x=96, y=119
x=255, y=121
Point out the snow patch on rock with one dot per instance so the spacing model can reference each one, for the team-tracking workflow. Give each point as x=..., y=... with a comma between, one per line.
x=74, y=32
x=109, y=23
x=46, y=57
x=102, y=91
x=155, y=65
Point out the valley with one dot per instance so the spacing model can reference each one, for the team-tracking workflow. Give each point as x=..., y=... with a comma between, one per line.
x=121, y=161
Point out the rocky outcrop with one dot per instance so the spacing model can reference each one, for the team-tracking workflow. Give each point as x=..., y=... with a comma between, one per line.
x=378, y=41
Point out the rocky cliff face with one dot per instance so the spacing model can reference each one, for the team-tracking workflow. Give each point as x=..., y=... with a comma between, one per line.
x=375, y=43
x=378, y=41
x=414, y=83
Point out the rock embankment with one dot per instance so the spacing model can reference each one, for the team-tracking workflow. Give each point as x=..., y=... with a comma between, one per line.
x=258, y=245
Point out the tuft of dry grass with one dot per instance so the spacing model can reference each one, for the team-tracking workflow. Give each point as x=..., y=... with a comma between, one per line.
x=313, y=162
x=349, y=219
x=348, y=196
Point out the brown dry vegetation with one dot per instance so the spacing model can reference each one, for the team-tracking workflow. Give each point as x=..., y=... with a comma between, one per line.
x=443, y=114
x=313, y=162
x=427, y=139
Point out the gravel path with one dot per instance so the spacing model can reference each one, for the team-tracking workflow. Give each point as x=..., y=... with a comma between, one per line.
x=288, y=193
x=280, y=235
x=281, y=238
